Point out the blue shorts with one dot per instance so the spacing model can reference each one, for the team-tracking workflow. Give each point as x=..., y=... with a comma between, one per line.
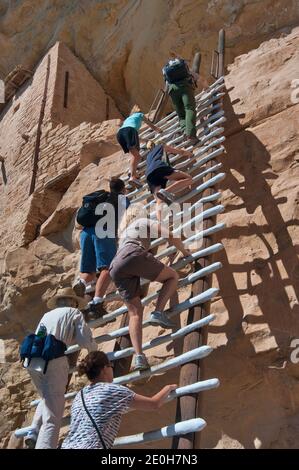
x=96, y=253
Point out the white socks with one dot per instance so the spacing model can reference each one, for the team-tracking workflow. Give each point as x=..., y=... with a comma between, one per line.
x=96, y=300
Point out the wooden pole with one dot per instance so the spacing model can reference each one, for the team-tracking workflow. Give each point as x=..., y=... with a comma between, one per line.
x=39, y=130
x=187, y=406
x=122, y=366
x=161, y=104
x=196, y=62
x=221, y=53
x=190, y=373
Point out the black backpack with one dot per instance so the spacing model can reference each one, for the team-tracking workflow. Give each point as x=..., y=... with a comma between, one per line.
x=176, y=71
x=86, y=215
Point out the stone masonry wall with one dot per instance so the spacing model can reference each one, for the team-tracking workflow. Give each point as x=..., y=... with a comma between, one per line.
x=66, y=142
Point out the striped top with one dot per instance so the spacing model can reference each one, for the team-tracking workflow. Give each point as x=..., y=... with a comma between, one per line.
x=106, y=402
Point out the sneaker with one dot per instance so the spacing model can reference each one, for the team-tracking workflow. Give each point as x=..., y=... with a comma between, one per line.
x=135, y=183
x=90, y=288
x=165, y=196
x=79, y=288
x=140, y=363
x=30, y=439
x=193, y=140
x=160, y=319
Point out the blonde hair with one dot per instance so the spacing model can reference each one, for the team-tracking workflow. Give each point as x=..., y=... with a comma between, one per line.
x=135, y=109
x=134, y=212
x=150, y=144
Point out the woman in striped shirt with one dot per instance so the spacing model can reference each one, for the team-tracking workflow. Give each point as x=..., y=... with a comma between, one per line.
x=106, y=403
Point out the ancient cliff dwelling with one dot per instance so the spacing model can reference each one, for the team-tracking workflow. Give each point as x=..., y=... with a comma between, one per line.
x=71, y=73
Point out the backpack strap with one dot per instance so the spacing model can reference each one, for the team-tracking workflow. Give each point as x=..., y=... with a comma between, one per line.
x=46, y=366
x=93, y=421
x=165, y=157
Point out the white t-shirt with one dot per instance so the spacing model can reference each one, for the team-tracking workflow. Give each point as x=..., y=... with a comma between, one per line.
x=141, y=231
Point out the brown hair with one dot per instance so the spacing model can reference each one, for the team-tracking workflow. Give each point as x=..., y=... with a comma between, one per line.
x=116, y=185
x=93, y=364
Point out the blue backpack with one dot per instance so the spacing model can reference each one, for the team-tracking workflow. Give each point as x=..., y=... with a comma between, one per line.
x=46, y=347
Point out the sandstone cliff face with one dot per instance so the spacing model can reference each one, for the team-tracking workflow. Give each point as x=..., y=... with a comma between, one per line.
x=257, y=314
x=257, y=404
x=124, y=43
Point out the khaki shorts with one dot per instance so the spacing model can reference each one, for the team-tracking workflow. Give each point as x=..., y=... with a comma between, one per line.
x=130, y=264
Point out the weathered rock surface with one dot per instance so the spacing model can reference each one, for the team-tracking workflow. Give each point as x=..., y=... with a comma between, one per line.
x=125, y=43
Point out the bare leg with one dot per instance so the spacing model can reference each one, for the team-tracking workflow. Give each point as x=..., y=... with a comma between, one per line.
x=135, y=310
x=169, y=279
x=135, y=159
x=159, y=205
x=102, y=283
x=88, y=277
x=179, y=180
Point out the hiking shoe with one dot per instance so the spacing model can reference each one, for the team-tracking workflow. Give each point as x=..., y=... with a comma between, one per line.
x=96, y=310
x=79, y=287
x=135, y=183
x=193, y=140
x=30, y=439
x=140, y=363
x=160, y=319
x=165, y=196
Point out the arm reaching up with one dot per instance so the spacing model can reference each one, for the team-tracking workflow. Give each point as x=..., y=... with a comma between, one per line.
x=140, y=402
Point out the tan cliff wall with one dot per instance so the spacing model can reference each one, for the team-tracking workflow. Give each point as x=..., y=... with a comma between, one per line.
x=257, y=403
x=124, y=43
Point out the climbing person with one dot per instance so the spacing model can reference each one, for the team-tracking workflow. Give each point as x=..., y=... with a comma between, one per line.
x=128, y=139
x=97, y=409
x=98, y=252
x=159, y=171
x=59, y=328
x=181, y=86
x=134, y=261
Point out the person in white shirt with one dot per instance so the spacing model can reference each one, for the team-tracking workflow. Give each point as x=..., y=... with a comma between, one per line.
x=66, y=323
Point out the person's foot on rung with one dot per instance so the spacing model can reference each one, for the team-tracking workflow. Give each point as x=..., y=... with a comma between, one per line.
x=193, y=140
x=79, y=287
x=140, y=363
x=135, y=183
x=96, y=309
x=165, y=196
x=160, y=319
x=30, y=439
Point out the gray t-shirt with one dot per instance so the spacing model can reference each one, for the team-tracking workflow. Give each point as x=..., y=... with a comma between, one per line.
x=141, y=231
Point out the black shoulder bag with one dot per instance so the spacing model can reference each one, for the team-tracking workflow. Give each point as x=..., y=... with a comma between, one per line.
x=93, y=421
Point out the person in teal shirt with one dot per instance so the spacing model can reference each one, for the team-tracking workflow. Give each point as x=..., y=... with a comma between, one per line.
x=128, y=139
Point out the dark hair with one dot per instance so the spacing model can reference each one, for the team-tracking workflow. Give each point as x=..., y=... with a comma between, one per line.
x=93, y=364
x=116, y=185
